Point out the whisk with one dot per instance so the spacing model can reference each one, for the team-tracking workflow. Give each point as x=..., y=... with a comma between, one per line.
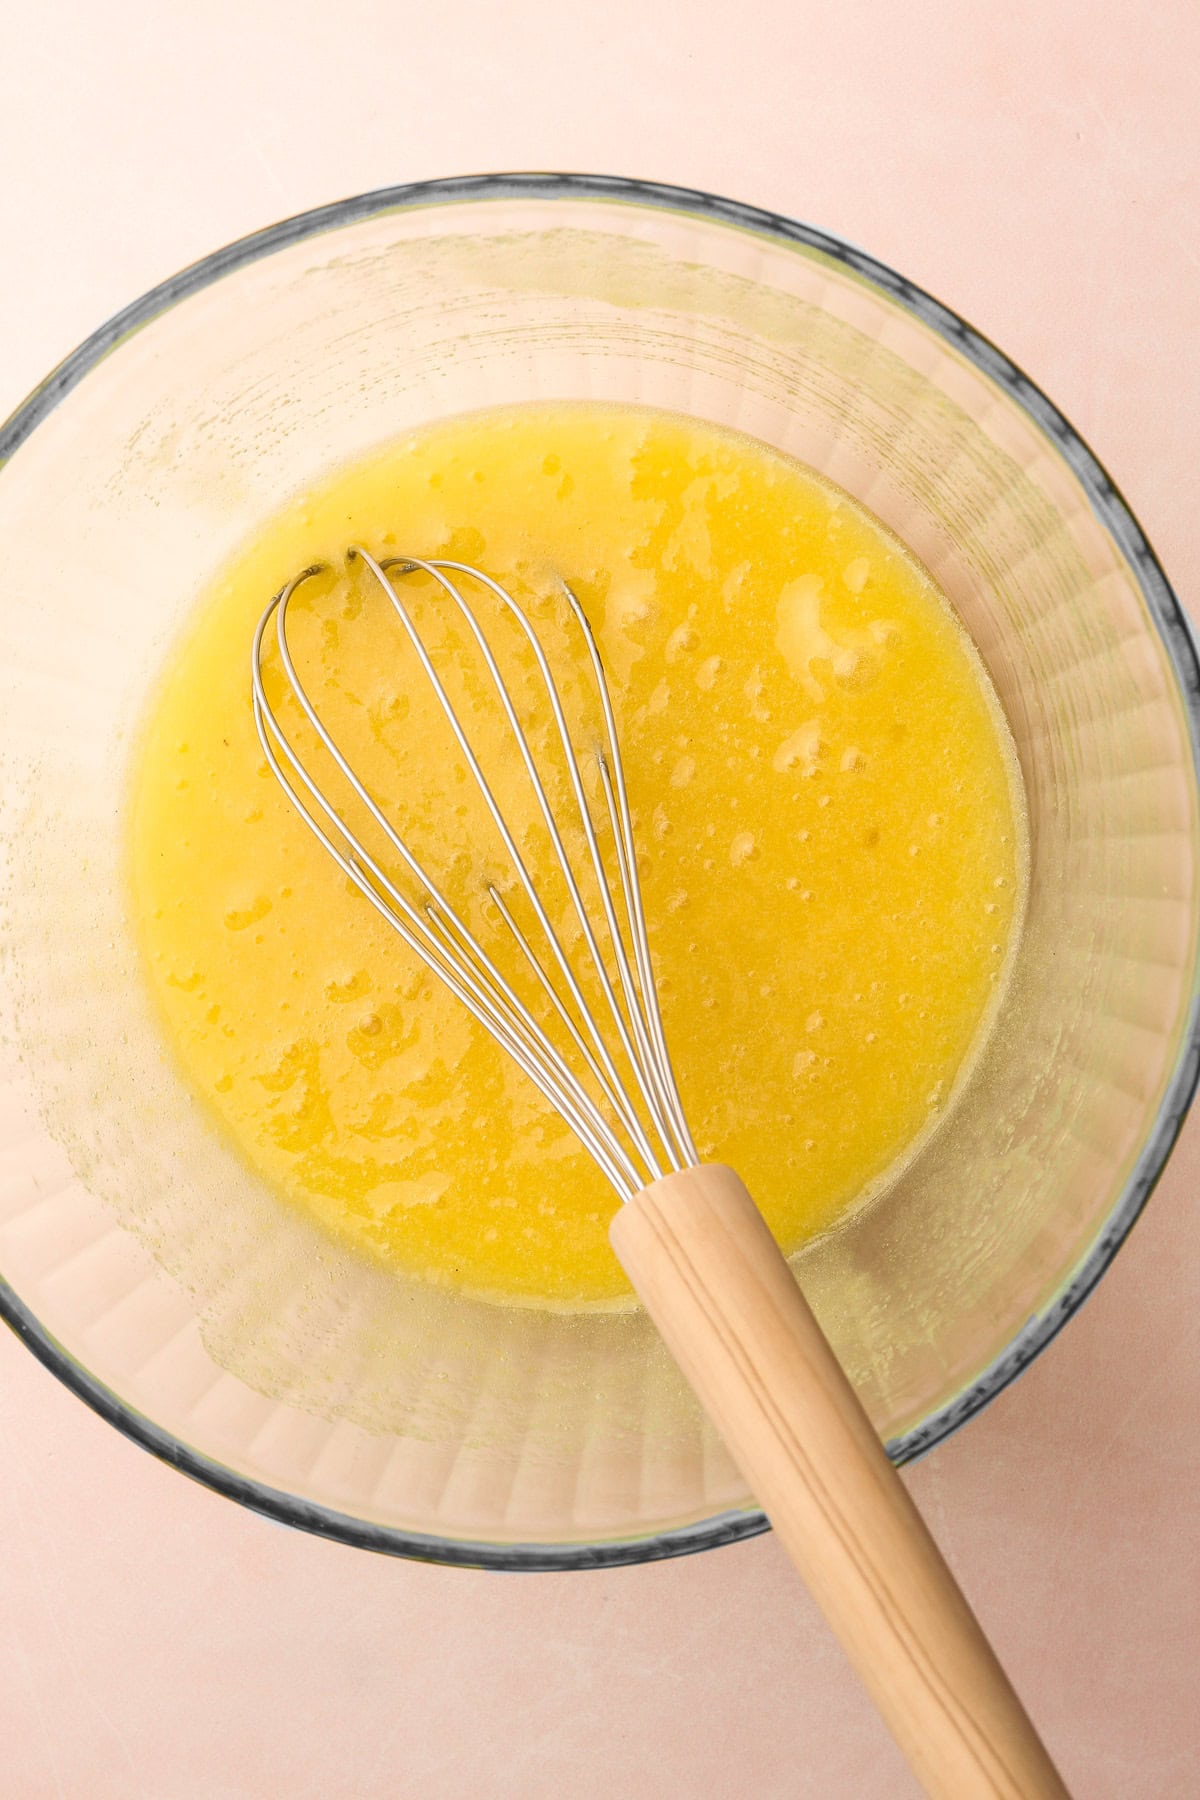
x=582, y=1020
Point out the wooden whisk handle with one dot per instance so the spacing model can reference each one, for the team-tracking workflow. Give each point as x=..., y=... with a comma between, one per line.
x=712, y=1278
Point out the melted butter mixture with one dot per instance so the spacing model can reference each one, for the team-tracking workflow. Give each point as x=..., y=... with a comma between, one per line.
x=824, y=795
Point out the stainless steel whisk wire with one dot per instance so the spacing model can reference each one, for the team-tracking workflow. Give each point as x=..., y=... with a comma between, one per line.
x=628, y=1147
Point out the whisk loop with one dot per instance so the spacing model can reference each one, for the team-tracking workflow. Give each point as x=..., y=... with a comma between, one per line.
x=609, y=1076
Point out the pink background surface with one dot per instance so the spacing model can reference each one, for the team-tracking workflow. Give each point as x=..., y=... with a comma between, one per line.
x=1038, y=167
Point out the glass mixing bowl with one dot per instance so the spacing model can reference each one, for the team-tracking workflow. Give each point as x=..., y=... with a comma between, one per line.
x=149, y=1269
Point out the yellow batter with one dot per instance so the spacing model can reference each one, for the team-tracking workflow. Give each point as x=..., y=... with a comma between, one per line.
x=824, y=794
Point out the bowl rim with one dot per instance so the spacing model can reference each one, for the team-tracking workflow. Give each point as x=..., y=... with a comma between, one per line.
x=1183, y=654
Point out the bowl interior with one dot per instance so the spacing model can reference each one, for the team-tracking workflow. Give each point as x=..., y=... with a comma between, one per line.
x=157, y=1268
